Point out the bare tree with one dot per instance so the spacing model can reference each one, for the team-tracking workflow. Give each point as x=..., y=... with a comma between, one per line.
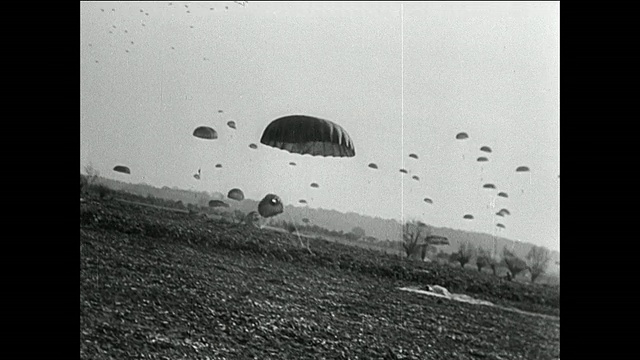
x=92, y=173
x=417, y=238
x=513, y=263
x=538, y=259
x=465, y=253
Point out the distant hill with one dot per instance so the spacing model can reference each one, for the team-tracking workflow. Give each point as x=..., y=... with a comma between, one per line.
x=382, y=229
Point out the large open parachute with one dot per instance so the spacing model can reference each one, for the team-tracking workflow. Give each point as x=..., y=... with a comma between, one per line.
x=462, y=136
x=236, y=194
x=205, y=132
x=122, y=169
x=485, y=149
x=270, y=205
x=300, y=134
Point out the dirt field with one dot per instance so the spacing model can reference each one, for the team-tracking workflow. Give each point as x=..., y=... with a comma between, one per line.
x=164, y=285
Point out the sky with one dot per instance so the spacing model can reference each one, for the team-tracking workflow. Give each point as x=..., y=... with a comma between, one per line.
x=399, y=77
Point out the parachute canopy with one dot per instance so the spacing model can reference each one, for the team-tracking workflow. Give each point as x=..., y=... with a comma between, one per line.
x=300, y=134
x=482, y=159
x=218, y=165
x=505, y=211
x=489, y=186
x=314, y=185
x=428, y=201
x=485, y=149
x=499, y=213
x=522, y=169
x=236, y=194
x=292, y=163
x=403, y=171
x=122, y=169
x=302, y=201
x=253, y=146
x=231, y=124
x=205, y=132
x=197, y=176
x=217, y=203
x=500, y=226
x=462, y=136
x=270, y=205
x=373, y=166
x=413, y=156
x=415, y=177
x=468, y=217
x=503, y=194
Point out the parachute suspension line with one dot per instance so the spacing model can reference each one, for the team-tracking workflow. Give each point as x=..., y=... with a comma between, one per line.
x=299, y=238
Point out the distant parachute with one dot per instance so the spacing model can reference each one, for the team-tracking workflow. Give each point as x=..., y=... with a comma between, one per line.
x=231, y=124
x=489, y=186
x=485, y=149
x=413, y=156
x=197, y=176
x=403, y=171
x=415, y=177
x=482, y=159
x=270, y=205
x=220, y=111
x=218, y=165
x=505, y=211
x=302, y=201
x=522, y=169
x=292, y=163
x=236, y=194
x=205, y=132
x=503, y=194
x=314, y=185
x=462, y=136
x=300, y=134
x=373, y=166
x=468, y=217
x=253, y=146
x=217, y=203
x=428, y=201
x=122, y=169
x=500, y=226
x=500, y=213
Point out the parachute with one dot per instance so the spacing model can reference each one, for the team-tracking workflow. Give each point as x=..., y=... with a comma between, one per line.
x=485, y=149
x=428, y=201
x=499, y=213
x=217, y=203
x=373, y=166
x=505, y=211
x=236, y=194
x=482, y=159
x=522, y=169
x=503, y=194
x=292, y=163
x=197, y=176
x=500, y=226
x=403, y=171
x=314, y=185
x=301, y=134
x=302, y=201
x=122, y=169
x=231, y=124
x=218, y=165
x=253, y=146
x=489, y=186
x=220, y=111
x=270, y=205
x=462, y=136
x=415, y=177
x=413, y=156
x=205, y=132
x=468, y=217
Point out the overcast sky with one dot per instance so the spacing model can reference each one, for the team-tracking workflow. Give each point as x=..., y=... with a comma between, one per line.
x=400, y=78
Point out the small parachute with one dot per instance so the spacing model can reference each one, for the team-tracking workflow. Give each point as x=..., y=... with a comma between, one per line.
x=218, y=165
x=413, y=156
x=314, y=185
x=522, y=169
x=220, y=111
x=253, y=146
x=485, y=149
x=404, y=171
x=482, y=159
x=292, y=163
x=236, y=194
x=196, y=176
x=505, y=211
x=217, y=203
x=300, y=134
x=302, y=201
x=499, y=213
x=373, y=166
x=305, y=220
x=122, y=169
x=270, y=205
x=415, y=177
x=468, y=217
x=503, y=194
x=501, y=226
x=231, y=124
x=428, y=201
x=462, y=136
x=205, y=132
x=489, y=186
